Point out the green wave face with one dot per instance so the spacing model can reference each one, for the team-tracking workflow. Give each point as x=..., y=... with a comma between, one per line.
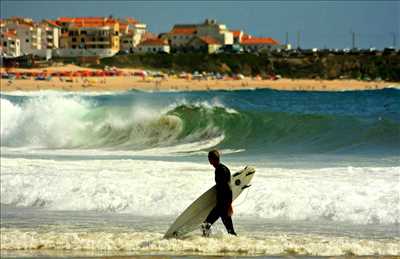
x=277, y=132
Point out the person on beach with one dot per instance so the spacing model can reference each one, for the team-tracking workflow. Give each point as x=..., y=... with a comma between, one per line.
x=223, y=208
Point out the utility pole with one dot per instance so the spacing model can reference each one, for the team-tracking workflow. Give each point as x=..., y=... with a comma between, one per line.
x=394, y=40
x=354, y=40
x=298, y=40
x=287, y=38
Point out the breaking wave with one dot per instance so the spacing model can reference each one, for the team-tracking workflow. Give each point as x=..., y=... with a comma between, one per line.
x=82, y=122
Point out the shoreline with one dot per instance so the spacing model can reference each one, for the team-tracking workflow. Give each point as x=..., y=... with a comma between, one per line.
x=120, y=83
x=126, y=255
x=129, y=82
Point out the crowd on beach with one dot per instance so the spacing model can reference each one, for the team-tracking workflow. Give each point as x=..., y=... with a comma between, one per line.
x=90, y=77
x=75, y=78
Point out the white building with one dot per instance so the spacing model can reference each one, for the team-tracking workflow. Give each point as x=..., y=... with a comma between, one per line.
x=210, y=28
x=155, y=45
x=132, y=33
x=10, y=44
x=28, y=33
x=51, y=32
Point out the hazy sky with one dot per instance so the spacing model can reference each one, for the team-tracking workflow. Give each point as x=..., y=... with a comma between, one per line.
x=320, y=23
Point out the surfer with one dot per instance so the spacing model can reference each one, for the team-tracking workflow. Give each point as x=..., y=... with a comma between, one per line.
x=223, y=208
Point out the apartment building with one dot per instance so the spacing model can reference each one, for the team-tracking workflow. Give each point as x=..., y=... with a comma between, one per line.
x=26, y=31
x=88, y=36
x=10, y=45
x=132, y=33
x=50, y=34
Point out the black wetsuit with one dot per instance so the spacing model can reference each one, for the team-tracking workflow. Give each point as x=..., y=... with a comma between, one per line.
x=224, y=198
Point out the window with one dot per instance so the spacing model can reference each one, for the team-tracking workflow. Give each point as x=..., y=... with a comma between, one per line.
x=82, y=39
x=93, y=39
x=27, y=40
x=83, y=32
x=74, y=39
x=74, y=46
x=71, y=33
x=5, y=44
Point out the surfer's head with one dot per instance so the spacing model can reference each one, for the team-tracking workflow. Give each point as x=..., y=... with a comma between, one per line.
x=213, y=157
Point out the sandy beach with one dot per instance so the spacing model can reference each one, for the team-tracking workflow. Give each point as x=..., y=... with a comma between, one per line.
x=129, y=82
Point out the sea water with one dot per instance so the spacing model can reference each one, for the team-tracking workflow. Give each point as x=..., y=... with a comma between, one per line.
x=91, y=174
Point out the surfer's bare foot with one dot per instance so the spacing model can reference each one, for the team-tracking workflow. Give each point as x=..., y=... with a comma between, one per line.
x=233, y=233
x=206, y=229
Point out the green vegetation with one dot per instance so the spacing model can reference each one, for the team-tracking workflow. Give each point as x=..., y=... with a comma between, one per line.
x=315, y=66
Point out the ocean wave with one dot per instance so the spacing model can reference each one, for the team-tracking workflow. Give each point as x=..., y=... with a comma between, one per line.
x=344, y=194
x=79, y=122
x=57, y=122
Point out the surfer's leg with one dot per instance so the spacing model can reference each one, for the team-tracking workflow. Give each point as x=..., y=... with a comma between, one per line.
x=213, y=216
x=227, y=220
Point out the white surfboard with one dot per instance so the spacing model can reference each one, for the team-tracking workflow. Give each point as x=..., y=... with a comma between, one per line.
x=197, y=212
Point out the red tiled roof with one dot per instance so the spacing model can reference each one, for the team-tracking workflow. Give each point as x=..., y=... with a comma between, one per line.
x=130, y=20
x=52, y=23
x=209, y=40
x=148, y=35
x=246, y=36
x=154, y=41
x=236, y=34
x=123, y=26
x=80, y=19
x=256, y=41
x=20, y=21
x=183, y=31
x=10, y=33
x=88, y=21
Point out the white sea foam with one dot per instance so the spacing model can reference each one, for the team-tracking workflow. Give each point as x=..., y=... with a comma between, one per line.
x=54, y=121
x=146, y=242
x=10, y=114
x=157, y=188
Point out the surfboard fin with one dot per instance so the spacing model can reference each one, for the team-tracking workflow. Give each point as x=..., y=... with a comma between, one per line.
x=246, y=186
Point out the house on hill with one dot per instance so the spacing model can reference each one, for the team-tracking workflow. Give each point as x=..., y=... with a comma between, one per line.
x=182, y=34
x=155, y=45
x=205, y=44
x=256, y=44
